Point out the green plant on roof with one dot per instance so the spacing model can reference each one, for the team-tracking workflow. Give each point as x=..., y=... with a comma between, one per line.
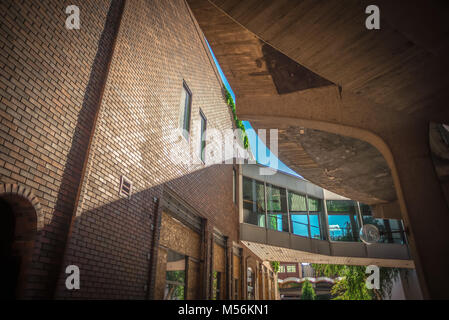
x=238, y=123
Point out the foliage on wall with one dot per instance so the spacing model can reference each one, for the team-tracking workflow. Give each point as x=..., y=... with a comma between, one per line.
x=238, y=123
x=275, y=266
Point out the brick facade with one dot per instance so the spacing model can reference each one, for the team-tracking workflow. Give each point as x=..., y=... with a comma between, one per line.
x=82, y=108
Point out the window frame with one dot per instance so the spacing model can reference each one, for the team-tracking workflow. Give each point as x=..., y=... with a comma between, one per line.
x=202, y=153
x=185, y=123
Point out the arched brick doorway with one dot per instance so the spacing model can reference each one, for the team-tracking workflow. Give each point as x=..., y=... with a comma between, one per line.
x=18, y=226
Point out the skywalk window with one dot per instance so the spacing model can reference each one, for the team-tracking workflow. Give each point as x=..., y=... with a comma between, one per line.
x=253, y=202
x=298, y=214
x=185, y=108
x=277, y=208
x=342, y=219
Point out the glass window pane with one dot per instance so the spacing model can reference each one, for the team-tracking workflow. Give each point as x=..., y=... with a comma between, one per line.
x=278, y=222
x=203, y=137
x=216, y=285
x=175, y=276
x=300, y=224
x=296, y=202
x=253, y=202
x=314, y=204
x=186, y=102
x=298, y=214
x=315, y=218
x=342, y=218
x=277, y=208
x=391, y=230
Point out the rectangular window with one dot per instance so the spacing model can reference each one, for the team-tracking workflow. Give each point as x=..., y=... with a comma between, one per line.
x=298, y=214
x=281, y=269
x=291, y=268
x=250, y=284
x=277, y=208
x=203, y=137
x=216, y=285
x=175, y=276
x=253, y=202
x=185, y=108
x=391, y=230
x=315, y=216
x=342, y=218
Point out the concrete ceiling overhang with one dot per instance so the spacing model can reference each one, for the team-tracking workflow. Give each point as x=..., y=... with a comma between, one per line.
x=344, y=165
x=308, y=59
x=402, y=66
x=276, y=253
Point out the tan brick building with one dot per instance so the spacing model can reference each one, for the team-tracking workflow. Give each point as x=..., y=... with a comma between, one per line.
x=86, y=172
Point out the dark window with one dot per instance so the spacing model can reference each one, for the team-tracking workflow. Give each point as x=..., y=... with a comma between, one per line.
x=203, y=137
x=125, y=187
x=186, y=106
x=216, y=286
x=253, y=202
x=277, y=208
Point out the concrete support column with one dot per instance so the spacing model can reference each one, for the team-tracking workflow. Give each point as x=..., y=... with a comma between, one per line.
x=424, y=210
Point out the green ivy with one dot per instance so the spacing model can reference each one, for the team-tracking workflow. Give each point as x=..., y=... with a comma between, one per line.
x=238, y=123
x=275, y=265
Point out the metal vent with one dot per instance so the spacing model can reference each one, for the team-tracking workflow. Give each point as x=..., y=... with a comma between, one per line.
x=126, y=187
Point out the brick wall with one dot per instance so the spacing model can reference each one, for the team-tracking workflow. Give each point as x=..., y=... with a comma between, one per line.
x=45, y=72
x=157, y=48
x=81, y=108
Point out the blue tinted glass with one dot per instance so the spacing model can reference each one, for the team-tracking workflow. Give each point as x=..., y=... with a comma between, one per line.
x=299, y=224
x=340, y=228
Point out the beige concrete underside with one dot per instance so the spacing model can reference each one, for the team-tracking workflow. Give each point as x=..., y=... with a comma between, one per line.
x=274, y=253
x=386, y=87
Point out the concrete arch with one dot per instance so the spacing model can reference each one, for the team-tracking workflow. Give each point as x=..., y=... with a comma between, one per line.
x=349, y=131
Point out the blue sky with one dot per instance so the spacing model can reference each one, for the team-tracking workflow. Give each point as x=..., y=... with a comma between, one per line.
x=262, y=154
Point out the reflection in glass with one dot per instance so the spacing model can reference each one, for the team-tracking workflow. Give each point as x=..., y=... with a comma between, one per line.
x=342, y=218
x=298, y=214
x=175, y=276
x=250, y=284
x=216, y=285
x=391, y=230
x=253, y=202
x=315, y=216
x=277, y=208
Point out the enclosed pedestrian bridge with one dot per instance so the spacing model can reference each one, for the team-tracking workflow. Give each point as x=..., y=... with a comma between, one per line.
x=286, y=218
